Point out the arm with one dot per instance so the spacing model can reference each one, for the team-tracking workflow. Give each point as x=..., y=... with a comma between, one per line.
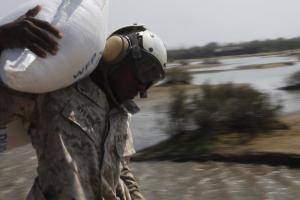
x=130, y=182
x=24, y=32
x=29, y=32
x=14, y=105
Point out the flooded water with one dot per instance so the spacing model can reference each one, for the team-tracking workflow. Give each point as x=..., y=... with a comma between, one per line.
x=190, y=180
x=147, y=129
x=172, y=181
x=233, y=63
x=266, y=80
x=220, y=181
x=148, y=124
x=217, y=181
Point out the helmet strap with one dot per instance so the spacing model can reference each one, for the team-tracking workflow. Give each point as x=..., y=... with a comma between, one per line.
x=134, y=46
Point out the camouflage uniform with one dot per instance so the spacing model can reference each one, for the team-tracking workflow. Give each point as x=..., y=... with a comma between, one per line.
x=82, y=145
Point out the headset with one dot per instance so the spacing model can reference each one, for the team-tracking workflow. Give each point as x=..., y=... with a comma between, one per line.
x=116, y=49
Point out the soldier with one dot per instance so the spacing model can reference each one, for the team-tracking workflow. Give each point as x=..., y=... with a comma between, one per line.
x=81, y=134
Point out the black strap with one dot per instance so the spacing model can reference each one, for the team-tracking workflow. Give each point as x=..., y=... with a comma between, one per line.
x=134, y=46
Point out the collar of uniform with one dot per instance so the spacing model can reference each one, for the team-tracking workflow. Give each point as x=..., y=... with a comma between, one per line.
x=116, y=111
x=93, y=92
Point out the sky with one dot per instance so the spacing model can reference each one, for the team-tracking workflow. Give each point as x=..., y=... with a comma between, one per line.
x=188, y=23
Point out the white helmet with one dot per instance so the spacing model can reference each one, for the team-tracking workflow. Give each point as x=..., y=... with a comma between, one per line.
x=152, y=43
x=141, y=46
x=146, y=47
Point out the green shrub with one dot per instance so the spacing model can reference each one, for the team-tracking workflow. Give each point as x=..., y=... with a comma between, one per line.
x=177, y=111
x=225, y=108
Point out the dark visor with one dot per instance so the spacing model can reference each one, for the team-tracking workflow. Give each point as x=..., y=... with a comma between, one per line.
x=148, y=69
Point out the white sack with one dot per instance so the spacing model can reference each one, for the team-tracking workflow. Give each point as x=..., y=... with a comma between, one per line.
x=84, y=25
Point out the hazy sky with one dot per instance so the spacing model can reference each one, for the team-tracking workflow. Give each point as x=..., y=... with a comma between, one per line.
x=186, y=23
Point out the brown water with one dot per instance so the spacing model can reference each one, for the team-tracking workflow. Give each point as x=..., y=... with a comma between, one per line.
x=172, y=181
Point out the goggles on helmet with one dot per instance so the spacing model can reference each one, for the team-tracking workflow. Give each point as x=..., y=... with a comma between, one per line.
x=148, y=69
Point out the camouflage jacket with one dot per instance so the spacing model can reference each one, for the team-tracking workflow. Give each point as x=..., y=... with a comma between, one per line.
x=83, y=147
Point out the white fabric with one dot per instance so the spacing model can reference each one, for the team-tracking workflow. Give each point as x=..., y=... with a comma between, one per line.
x=84, y=25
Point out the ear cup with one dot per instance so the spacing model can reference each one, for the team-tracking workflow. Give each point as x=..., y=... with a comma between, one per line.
x=116, y=49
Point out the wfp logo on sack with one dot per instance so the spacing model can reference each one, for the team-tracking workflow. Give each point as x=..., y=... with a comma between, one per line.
x=91, y=63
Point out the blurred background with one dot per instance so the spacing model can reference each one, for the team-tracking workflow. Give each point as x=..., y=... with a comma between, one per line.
x=225, y=123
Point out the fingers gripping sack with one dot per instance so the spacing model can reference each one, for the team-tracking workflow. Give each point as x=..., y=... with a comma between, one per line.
x=84, y=27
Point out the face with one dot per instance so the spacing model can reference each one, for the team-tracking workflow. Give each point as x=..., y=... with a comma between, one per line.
x=124, y=84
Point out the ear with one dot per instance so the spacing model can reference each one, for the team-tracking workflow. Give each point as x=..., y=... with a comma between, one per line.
x=116, y=49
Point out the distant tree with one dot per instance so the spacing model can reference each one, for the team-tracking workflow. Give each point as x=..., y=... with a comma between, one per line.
x=211, y=46
x=251, y=47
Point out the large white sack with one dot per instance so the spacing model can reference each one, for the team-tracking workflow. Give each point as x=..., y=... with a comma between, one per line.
x=84, y=25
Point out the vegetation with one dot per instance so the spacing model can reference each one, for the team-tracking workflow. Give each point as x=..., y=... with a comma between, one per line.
x=293, y=82
x=222, y=108
x=178, y=76
x=211, y=61
x=213, y=49
x=216, y=116
x=265, y=66
x=294, y=79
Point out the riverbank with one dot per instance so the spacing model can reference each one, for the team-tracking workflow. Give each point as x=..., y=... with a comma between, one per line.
x=291, y=87
x=235, y=64
x=279, y=147
x=196, y=68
